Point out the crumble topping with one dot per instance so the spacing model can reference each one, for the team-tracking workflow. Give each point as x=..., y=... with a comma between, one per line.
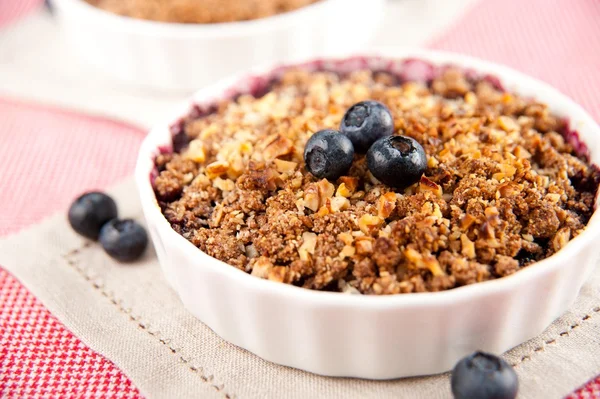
x=199, y=11
x=503, y=188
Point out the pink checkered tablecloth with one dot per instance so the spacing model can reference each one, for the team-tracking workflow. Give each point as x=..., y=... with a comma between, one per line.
x=47, y=156
x=11, y=10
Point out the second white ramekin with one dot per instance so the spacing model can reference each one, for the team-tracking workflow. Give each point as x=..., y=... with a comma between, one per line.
x=185, y=57
x=369, y=336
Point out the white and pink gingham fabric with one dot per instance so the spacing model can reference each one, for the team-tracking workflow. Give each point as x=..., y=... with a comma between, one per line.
x=40, y=358
x=47, y=156
x=11, y=10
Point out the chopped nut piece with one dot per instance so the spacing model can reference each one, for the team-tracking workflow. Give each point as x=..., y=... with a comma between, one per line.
x=216, y=169
x=386, y=205
x=491, y=213
x=251, y=251
x=419, y=261
x=471, y=98
x=561, y=238
x=278, y=146
x=527, y=237
x=369, y=223
x=309, y=241
x=437, y=212
x=413, y=256
x=188, y=177
x=468, y=247
x=324, y=210
x=211, y=130
x=311, y=197
x=262, y=267
x=337, y=204
x=553, y=197
x=346, y=288
x=350, y=182
x=326, y=190
x=195, y=151
x=224, y=185
x=347, y=252
x=296, y=182
x=508, y=189
x=372, y=179
x=521, y=152
x=507, y=124
x=426, y=185
x=364, y=245
x=346, y=238
x=281, y=274
x=432, y=162
x=343, y=191
x=201, y=181
x=217, y=215
x=285, y=166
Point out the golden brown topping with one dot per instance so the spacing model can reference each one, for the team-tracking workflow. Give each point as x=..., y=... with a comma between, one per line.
x=427, y=261
x=281, y=274
x=364, y=245
x=326, y=191
x=199, y=11
x=277, y=146
x=343, y=191
x=337, y=204
x=285, y=166
x=561, y=238
x=224, y=185
x=468, y=247
x=346, y=238
x=368, y=224
x=347, y=252
x=195, y=151
x=309, y=241
x=216, y=169
x=426, y=185
x=350, y=182
x=501, y=184
x=386, y=205
x=262, y=267
x=312, y=197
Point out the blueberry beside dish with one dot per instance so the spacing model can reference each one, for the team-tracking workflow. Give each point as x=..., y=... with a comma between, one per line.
x=482, y=375
x=94, y=215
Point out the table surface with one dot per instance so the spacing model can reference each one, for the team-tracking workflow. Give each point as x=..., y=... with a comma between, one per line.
x=38, y=356
x=61, y=79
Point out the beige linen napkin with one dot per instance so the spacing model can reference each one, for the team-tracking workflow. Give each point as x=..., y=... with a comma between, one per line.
x=130, y=315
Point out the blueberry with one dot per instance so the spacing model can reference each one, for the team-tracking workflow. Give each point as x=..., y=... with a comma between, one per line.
x=365, y=122
x=328, y=154
x=123, y=239
x=397, y=161
x=90, y=211
x=484, y=376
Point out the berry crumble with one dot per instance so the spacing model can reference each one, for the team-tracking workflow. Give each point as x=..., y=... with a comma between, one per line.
x=501, y=188
x=199, y=11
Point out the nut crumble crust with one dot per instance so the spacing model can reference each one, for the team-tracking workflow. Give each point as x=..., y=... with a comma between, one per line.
x=503, y=188
x=199, y=11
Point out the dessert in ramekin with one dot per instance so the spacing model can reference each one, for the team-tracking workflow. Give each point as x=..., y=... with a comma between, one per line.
x=185, y=56
x=199, y=11
x=508, y=183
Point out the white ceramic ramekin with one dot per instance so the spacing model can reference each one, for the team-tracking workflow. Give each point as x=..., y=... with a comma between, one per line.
x=184, y=57
x=370, y=336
